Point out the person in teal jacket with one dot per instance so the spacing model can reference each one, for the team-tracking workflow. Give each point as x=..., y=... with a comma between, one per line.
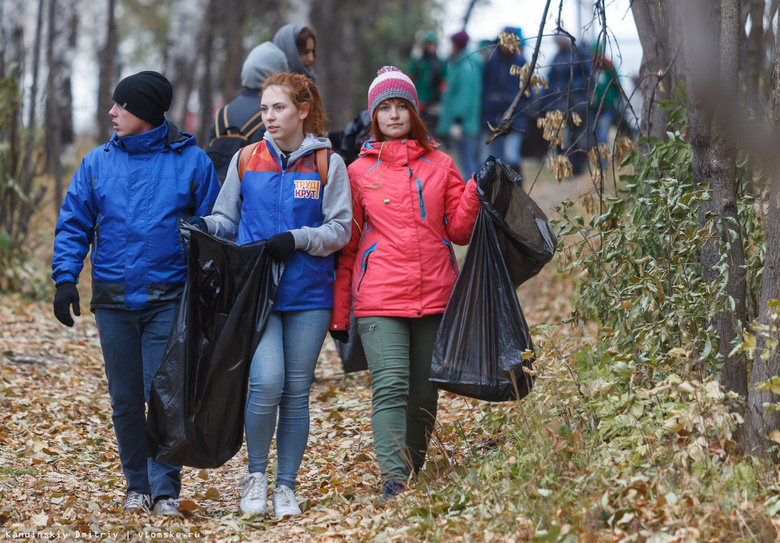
x=460, y=105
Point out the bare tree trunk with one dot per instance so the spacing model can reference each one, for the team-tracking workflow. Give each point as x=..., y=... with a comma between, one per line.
x=235, y=15
x=30, y=141
x=714, y=163
x=109, y=67
x=59, y=108
x=181, y=53
x=659, y=73
x=758, y=421
x=754, y=53
x=205, y=91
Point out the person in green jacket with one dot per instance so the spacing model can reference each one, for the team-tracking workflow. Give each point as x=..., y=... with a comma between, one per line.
x=427, y=73
x=460, y=105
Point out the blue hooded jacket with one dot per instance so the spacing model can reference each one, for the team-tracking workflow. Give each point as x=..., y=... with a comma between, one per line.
x=124, y=201
x=499, y=88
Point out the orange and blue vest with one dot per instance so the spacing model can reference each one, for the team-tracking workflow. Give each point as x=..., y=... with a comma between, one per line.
x=276, y=200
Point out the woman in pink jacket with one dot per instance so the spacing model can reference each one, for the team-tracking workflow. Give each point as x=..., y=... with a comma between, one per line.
x=398, y=270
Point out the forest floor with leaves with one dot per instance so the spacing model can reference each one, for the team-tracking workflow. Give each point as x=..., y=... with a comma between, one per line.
x=60, y=476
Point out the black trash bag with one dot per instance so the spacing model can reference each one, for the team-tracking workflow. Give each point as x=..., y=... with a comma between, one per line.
x=525, y=236
x=353, y=357
x=483, y=337
x=196, y=405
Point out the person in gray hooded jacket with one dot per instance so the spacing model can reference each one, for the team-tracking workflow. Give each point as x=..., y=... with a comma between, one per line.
x=238, y=123
x=299, y=46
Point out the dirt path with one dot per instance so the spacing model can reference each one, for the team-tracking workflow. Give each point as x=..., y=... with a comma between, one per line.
x=60, y=475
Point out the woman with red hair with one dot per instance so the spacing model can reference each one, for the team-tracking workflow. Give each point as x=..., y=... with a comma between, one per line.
x=409, y=205
x=274, y=191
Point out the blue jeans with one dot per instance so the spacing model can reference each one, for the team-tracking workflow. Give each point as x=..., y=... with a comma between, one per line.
x=133, y=343
x=280, y=377
x=466, y=155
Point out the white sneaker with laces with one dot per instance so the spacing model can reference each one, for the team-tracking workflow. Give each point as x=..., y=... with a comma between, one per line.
x=254, y=494
x=135, y=501
x=167, y=507
x=284, y=502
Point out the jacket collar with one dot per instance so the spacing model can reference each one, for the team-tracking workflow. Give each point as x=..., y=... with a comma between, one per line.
x=164, y=137
x=400, y=151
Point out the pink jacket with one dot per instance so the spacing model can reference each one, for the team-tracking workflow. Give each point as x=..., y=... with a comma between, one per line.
x=408, y=206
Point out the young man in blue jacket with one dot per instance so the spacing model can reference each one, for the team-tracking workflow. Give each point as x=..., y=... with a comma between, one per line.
x=124, y=202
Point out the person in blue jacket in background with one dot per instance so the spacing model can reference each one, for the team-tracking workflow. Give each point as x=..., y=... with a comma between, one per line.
x=568, y=82
x=499, y=88
x=125, y=201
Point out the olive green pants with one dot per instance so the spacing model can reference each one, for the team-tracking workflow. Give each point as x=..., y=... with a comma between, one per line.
x=403, y=407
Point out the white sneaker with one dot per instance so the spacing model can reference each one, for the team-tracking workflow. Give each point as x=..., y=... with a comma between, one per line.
x=254, y=494
x=284, y=502
x=135, y=501
x=167, y=507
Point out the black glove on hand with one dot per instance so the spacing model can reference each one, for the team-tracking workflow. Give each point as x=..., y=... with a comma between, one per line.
x=281, y=245
x=340, y=335
x=486, y=174
x=198, y=223
x=66, y=295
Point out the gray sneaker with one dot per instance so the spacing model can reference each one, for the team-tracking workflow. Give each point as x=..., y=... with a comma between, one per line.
x=167, y=507
x=135, y=501
x=284, y=502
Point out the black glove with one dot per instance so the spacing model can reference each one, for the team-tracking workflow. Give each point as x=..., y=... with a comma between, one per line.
x=340, y=335
x=486, y=174
x=281, y=245
x=66, y=295
x=198, y=223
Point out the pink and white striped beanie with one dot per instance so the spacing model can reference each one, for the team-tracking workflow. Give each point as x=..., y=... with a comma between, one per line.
x=391, y=82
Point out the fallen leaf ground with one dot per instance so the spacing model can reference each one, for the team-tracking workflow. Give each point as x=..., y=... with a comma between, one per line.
x=60, y=477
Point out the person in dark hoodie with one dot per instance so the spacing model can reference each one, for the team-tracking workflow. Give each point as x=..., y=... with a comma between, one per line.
x=299, y=45
x=124, y=202
x=238, y=123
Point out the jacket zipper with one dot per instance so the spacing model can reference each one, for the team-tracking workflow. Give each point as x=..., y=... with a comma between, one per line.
x=364, y=266
x=422, y=201
x=97, y=239
x=453, y=263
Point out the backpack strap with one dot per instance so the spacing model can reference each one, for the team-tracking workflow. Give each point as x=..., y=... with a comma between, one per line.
x=321, y=160
x=221, y=116
x=251, y=126
x=243, y=158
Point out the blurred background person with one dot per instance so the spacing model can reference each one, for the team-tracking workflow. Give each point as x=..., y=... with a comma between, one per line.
x=460, y=104
x=499, y=88
x=239, y=122
x=427, y=71
x=568, y=81
x=299, y=45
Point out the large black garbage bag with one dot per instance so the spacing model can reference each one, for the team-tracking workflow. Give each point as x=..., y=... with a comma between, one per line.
x=480, y=345
x=196, y=406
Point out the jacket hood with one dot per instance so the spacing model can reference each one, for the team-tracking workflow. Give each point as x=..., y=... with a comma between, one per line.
x=394, y=152
x=284, y=39
x=167, y=135
x=263, y=60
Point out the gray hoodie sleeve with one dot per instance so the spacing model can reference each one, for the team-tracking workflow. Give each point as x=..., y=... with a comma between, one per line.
x=336, y=227
x=223, y=221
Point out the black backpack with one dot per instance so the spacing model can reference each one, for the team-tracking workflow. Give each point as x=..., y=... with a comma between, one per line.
x=229, y=139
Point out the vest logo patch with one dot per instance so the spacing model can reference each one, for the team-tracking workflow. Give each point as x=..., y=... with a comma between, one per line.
x=307, y=188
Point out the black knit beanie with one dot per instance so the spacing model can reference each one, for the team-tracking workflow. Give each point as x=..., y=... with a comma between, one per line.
x=147, y=95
